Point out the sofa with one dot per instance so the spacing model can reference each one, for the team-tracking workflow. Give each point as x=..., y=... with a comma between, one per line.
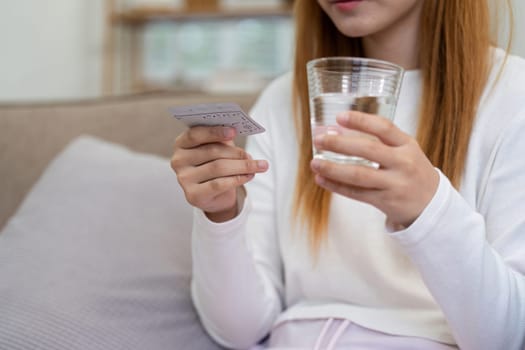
x=95, y=240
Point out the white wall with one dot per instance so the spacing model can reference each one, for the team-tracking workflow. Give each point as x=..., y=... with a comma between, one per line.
x=50, y=49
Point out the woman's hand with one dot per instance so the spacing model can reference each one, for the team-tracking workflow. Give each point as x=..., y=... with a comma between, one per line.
x=212, y=171
x=404, y=183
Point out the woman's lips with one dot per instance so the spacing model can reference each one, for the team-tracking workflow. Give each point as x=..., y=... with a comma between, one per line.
x=346, y=5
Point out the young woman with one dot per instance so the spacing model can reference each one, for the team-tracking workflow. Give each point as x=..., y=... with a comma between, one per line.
x=426, y=252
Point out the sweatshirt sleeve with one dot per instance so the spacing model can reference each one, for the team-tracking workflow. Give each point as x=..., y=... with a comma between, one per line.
x=473, y=259
x=237, y=270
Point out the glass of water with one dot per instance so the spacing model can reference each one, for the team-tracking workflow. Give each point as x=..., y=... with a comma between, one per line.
x=339, y=84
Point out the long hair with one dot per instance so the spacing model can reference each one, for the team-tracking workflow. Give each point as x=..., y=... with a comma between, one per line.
x=455, y=38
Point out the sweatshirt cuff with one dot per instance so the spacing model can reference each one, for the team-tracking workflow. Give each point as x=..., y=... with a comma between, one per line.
x=429, y=219
x=204, y=227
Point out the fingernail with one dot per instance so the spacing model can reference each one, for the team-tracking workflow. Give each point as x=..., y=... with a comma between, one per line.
x=262, y=164
x=228, y=132
x=316, y=164
x=343, y=117
x=319, y=140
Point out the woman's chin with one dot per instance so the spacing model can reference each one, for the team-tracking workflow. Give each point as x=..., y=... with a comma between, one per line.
x=354, y=31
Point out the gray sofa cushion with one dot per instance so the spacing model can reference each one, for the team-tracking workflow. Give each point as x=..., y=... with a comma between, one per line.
x=98, y=257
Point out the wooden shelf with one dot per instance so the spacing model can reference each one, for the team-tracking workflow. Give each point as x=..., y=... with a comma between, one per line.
x=142, y=15
x=123, y=47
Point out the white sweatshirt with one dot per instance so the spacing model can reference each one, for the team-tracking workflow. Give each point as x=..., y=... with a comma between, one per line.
x=456, y=275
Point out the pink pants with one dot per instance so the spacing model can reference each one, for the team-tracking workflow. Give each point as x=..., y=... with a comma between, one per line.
x=341, y=334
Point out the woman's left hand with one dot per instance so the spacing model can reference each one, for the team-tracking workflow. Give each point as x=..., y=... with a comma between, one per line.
x=401, y=187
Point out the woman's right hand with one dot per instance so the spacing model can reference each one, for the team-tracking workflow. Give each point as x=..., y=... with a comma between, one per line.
x=212, y=170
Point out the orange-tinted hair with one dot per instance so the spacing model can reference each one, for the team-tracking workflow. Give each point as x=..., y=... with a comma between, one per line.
x=454, y=61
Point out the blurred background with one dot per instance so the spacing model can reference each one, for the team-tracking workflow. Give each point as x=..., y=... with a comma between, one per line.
x=76, y=49
x=71, y=49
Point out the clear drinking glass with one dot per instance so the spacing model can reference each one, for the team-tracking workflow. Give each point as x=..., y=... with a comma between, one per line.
x=338, y=84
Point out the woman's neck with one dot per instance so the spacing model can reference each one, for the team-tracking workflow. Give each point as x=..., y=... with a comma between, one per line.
x=398, y=44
